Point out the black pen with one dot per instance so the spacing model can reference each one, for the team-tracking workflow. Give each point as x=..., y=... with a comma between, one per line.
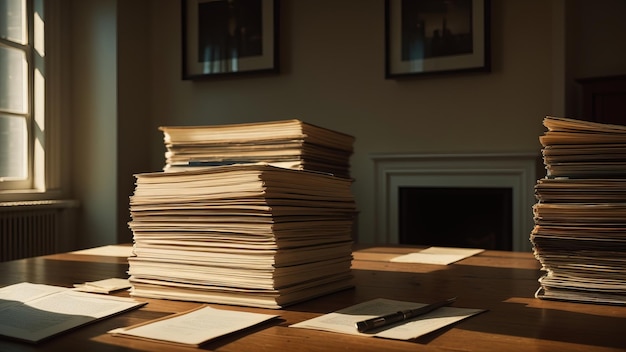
x=373, y=323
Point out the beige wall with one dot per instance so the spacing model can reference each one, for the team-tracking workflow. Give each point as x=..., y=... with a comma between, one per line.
x=332, y=75
x=332, y=55
x=94, y=102
x=109, y=103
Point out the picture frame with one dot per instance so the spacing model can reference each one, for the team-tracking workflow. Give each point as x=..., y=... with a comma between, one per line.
x=429, y=37
x=222, y=37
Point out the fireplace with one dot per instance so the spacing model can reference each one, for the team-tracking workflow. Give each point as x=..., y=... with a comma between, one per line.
x=470, y=217
x=487, y=199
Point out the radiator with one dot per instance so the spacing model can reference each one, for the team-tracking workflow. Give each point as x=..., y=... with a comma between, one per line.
x=34, y=228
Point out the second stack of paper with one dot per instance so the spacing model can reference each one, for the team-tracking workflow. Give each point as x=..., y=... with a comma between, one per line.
x=580, y=217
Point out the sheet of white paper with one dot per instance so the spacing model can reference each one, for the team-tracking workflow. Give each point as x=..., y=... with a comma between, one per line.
x=344, y=320
x=45, y=310
x=25, y=291
x=110, y=251
x=437, y=255
x=103, y=286
x=195, y=327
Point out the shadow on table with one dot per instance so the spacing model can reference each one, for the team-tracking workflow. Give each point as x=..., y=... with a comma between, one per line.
x=506, y=293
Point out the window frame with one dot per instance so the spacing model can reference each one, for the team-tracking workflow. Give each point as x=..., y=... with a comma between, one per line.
x=27, y=50
x=46, y=101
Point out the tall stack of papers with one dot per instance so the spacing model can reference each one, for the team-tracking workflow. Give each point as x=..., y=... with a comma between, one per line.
x=246, y=234
x=580, y=217
x=288, y=143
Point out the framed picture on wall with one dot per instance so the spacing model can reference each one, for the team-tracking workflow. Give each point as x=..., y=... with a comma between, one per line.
x=225, y=37
x=436, y=36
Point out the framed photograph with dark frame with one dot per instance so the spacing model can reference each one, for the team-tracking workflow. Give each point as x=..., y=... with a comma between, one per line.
x=436, y=36
x=225, y=37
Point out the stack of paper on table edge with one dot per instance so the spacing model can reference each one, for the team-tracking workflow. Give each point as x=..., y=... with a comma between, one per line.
x=579, y=235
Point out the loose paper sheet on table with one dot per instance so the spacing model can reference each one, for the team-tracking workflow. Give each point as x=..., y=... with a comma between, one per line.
x=109, y=251
x=193, y=327
x=437, y=255
x=33, y=312
x=103, y=286
x=344, y=320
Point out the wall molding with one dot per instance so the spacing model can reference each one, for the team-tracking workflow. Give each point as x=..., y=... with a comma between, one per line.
x=515, y=170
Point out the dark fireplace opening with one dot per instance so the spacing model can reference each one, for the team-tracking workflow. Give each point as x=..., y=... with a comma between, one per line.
x=467, y=217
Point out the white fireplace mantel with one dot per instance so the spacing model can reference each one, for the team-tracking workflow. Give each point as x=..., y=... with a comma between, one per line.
x=517, y=171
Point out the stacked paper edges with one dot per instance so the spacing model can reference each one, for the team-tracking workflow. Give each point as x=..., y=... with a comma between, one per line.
x=580, y=217
x=252, y=235
x=287, y=143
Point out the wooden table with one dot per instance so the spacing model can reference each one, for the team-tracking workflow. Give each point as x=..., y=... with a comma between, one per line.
x=502, y=282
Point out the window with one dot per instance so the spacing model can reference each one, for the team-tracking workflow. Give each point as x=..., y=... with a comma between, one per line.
x=16, y=92
x=29, y=138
